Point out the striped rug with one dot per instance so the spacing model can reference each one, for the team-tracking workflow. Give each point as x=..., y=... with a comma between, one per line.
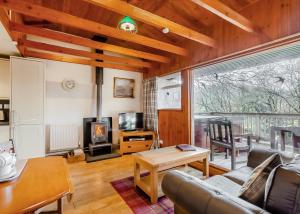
x=138, y=201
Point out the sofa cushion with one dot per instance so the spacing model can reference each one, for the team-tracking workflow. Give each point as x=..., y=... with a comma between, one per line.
x=257, y=156
x=240, y=175
x=254, y=189
x=283, y=195
x=224, y=184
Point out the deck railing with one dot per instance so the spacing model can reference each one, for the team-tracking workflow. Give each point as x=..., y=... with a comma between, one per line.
x=258, y=124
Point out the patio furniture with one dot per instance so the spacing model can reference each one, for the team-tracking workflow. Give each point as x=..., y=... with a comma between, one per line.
x=294, y=130
x=220, y=134
x=296, y=143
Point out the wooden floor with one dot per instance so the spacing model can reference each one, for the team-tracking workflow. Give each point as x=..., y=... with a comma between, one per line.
x=93, y=191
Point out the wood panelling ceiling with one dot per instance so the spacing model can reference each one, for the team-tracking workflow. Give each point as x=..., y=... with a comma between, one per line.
x=190, y=22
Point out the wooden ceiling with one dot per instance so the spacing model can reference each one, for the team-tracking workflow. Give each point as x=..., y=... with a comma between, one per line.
x=188, y=21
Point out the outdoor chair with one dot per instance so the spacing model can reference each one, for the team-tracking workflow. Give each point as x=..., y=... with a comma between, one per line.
x=220, y=134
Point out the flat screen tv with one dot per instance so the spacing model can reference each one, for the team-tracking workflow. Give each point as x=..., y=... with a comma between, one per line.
x=131, y=121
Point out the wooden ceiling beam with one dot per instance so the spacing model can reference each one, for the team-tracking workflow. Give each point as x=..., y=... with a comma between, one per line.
x=61, y=58
x=15, y=36
x=86, y=54
x=147, y=17
x=56, y=16
x=68, y=38
x=226, y=13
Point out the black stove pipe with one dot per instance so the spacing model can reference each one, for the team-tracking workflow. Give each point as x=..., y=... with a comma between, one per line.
x=99, y=79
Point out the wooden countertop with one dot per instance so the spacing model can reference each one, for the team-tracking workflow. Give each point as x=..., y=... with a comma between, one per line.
x=43, y=181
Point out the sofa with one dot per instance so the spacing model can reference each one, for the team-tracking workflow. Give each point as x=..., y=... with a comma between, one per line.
x=220, y=194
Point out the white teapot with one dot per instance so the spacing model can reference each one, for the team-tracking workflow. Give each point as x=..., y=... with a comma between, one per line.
x=7, y=164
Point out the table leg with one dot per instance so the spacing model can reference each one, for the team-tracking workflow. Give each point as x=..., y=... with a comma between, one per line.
x=58, y=211
x=59, y=206
x=137, y=174
x=272, y=138
x=206, y=166
x=282, y=140
x=154, y=186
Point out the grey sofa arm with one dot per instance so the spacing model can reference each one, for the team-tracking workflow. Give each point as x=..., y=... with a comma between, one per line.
x=192, y=195
x=257, y=156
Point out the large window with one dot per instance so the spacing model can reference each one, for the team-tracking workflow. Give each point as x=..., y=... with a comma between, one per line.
x=271, y=88
x=259, y=97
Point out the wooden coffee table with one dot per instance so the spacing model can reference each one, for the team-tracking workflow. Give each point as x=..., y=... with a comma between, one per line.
x=159, y=160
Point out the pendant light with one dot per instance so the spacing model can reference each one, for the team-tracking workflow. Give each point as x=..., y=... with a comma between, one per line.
x=128, y=24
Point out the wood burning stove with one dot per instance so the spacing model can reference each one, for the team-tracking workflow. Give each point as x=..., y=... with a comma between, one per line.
x=99, y=137
x=87, y=129
x=99, y=132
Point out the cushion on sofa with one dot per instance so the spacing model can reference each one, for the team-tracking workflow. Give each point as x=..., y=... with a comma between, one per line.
x=253, y=190
x=283, y=195
x=240, y=175
x=257, y=156
x=224, y=184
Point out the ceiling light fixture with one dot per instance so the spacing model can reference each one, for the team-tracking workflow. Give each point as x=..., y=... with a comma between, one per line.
x=165, y=30
x=128, y=24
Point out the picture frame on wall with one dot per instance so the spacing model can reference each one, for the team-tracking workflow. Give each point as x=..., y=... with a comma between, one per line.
x=123, y=87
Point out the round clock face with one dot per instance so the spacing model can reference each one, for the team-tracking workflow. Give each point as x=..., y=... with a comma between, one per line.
x=68, y=84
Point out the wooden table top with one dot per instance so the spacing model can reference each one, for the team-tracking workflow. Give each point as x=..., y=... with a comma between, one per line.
x=161, y=158
x=43, y=180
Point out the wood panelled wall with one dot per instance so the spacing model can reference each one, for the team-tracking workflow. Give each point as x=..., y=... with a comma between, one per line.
x=276, y=19
x=174, y=125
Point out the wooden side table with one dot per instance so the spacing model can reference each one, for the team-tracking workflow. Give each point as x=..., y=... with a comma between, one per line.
x=43, y=181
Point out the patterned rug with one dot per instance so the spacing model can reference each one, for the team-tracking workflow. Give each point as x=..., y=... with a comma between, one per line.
x=138, y=201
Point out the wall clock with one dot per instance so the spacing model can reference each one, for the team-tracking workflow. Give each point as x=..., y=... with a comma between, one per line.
x=68, y=85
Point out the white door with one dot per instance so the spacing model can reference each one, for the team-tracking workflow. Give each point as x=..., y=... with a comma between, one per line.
x=27, y=98
x=29, y=141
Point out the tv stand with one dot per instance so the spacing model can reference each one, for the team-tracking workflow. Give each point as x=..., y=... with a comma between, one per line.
x=135, y=141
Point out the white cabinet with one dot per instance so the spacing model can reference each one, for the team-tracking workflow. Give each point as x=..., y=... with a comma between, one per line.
x=29, y=141
x=27, y=107
x=27, y=82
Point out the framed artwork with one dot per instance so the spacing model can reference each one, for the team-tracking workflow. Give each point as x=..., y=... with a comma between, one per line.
x=124, y=88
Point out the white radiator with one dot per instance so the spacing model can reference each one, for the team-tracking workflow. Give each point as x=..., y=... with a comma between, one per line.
x=63, y=137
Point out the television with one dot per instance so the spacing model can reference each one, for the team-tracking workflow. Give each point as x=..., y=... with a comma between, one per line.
x=131, y=121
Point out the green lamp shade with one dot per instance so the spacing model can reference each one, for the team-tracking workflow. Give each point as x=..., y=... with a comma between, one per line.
x=128, y=24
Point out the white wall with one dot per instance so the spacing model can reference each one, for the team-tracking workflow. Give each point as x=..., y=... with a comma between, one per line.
x=113, y=106
x=69, y=107
x=4, y=93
